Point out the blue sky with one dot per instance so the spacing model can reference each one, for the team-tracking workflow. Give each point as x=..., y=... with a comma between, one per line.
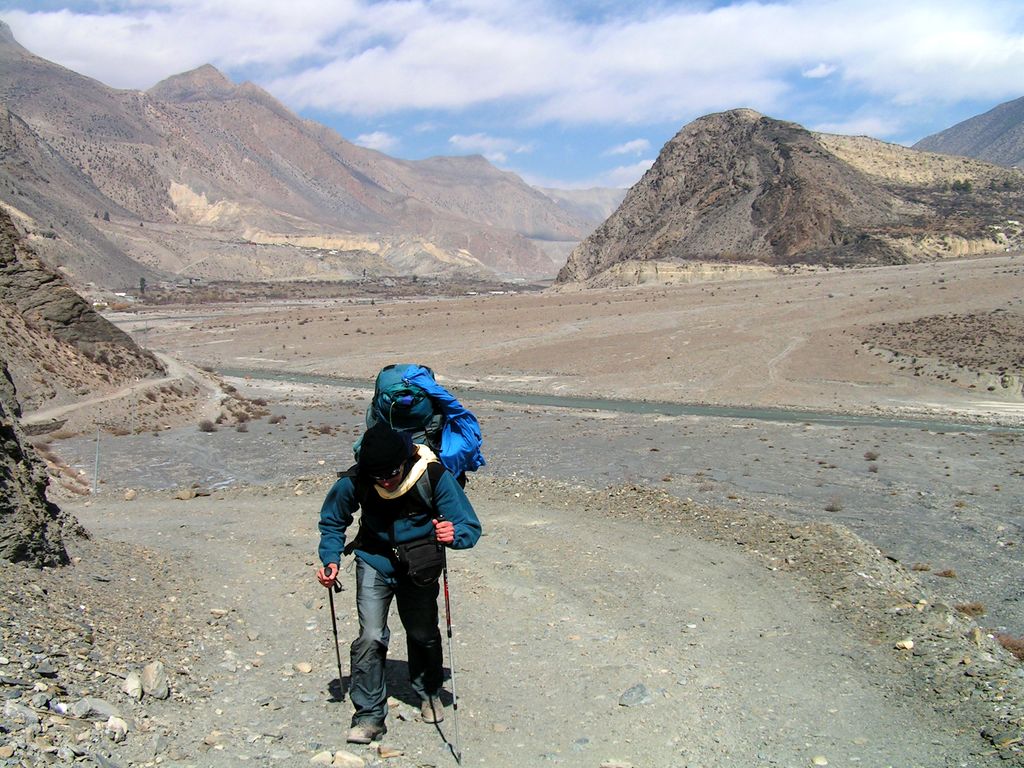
x=575, y=93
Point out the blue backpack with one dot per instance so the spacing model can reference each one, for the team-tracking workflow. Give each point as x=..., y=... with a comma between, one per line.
x=407, y=397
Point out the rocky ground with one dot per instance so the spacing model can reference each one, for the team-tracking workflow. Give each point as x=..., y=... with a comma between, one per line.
x=652, y=590
x=615, y=627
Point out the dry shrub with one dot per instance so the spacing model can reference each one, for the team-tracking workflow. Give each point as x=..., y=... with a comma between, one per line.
x=920, y=567
x=207, y=426
x=45, y=451
x=241, y=427
x=971, y=609
x=276, y=419
x=949, y=573
x=870, y=455
x=834, y=505
x=1014, y=645
x=75, y=488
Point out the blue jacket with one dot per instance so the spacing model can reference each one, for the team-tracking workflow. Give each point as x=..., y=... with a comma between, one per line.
x=410, y=519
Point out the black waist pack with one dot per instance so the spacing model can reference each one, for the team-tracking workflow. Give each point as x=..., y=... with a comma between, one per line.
x=423, y=560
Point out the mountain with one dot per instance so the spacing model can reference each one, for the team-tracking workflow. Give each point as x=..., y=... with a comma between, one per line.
x=203, y=178
x=55, y=345
x=997, y=136
x=741, y=188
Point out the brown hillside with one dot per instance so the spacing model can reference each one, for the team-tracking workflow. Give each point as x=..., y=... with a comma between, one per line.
x=738, y=187
x=205, y=178
x=57, y=346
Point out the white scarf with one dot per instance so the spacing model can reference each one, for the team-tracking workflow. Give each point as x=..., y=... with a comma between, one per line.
x=423, y=457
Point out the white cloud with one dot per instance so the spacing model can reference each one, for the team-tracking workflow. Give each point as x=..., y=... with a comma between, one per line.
x=860, y=126
x=620, y=177
x=820, y=71
x=493, y=148
x=379, y=140
x=624, y=175
x=135, y=43
x=634, y=147
x=664, y=62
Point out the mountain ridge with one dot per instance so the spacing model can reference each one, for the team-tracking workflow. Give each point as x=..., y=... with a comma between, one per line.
x=258, y=172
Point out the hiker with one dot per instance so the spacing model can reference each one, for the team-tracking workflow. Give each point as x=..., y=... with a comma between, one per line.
x=399, y=553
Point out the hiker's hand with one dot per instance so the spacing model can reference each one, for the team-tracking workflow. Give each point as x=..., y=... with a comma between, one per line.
x=328, y=574
x=444, y=530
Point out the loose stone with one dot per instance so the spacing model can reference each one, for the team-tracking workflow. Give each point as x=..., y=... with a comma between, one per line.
x=154, y=681
x=636, y=696
x=343, y=759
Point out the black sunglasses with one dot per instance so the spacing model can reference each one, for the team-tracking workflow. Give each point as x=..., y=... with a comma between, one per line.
x=390, y=475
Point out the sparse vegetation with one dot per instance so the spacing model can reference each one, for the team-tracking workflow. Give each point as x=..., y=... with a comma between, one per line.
x=1014, y=645
x=834, y=505
x=207, y=426
x=948, y=573
x=971, y=609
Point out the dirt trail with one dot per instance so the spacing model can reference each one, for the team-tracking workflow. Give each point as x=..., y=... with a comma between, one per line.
x=562, y=608
x=177, y=371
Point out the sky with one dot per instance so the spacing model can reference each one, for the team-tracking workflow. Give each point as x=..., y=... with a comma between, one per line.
x=565, y=93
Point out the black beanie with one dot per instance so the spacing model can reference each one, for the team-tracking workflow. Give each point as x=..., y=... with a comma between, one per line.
x=383, y=449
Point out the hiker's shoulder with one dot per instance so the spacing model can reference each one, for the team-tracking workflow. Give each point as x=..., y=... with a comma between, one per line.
x=345, y=484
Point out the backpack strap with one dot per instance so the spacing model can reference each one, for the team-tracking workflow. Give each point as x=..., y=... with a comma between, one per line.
x=428, y=481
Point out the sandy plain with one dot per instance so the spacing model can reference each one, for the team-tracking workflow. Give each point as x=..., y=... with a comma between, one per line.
x=810, y=340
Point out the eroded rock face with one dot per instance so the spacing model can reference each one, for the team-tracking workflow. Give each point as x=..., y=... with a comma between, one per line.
x=738, y=186
x=55, y=345
x=30, y=525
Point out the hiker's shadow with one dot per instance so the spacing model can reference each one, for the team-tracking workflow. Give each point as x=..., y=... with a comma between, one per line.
x=396, y=676
x=337, y=688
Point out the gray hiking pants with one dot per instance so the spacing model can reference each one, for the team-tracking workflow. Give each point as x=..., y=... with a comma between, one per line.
x=417, y=609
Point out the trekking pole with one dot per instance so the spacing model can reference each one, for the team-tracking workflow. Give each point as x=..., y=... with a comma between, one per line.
x=337, y=646
x=457, y=747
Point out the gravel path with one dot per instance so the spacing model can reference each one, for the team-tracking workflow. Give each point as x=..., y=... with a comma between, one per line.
x=619, y=628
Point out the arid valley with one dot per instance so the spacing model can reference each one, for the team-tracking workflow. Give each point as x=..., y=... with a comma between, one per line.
x=818, y=567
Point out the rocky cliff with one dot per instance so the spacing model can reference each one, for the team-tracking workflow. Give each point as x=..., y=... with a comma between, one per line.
x=739, y=187
x=55, y=344
x=30, y=525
